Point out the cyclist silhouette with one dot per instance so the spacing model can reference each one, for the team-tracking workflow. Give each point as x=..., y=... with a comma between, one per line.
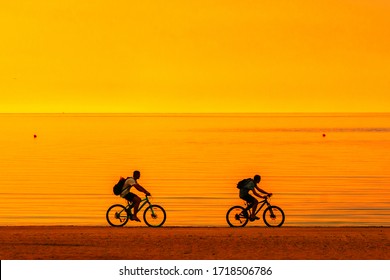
x=132, y=197
x=252, y=201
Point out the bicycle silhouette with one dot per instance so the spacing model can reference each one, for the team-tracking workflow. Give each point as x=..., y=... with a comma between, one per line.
x=238, y=216
x=118, y=215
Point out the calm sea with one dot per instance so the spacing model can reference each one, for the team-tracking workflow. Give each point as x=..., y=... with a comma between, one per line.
x=324, y=169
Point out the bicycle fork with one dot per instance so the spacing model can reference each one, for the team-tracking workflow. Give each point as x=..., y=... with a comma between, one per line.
x=273, y=216
x=154, y=216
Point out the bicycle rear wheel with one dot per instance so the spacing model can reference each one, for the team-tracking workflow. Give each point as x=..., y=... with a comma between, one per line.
x=155, y=216
x=273, y=216
x=116, y=215
x=237, y=216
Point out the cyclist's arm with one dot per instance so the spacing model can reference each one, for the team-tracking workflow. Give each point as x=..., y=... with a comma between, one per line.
x=257, y=194
x=260, y=190
x=141, y=189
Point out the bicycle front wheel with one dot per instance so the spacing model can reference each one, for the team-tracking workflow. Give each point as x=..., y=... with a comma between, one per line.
x=116, y=215
x=155, y=216
x=237, y=216
x=273, y=216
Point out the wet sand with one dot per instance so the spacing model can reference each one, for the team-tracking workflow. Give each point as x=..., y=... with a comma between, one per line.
x=182, y=243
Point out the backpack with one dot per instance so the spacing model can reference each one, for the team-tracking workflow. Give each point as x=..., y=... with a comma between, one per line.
x=243, y=183
x=117, y=189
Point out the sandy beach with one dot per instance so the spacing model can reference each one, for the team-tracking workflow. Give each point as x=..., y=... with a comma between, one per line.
x=169, y=243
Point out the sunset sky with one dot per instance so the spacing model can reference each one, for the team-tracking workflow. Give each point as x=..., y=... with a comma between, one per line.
x=194, y=56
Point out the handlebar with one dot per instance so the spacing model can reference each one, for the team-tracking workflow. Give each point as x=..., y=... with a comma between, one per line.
x=267, y=196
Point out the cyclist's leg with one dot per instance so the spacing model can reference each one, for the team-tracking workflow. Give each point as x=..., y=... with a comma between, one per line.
x=253, y=205
x=136, y=201
x=130, y=197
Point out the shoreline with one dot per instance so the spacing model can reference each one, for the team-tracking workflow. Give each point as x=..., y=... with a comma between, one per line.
x=142, y=225
x=194, y=243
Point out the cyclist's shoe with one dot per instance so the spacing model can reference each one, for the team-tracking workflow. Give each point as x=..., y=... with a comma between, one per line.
x=134, y=218
x=254, y=219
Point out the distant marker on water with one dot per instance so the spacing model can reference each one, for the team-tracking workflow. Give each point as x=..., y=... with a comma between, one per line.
x=323, y=135
x=35, y=136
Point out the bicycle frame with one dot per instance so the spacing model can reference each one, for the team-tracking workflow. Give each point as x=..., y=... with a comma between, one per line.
x=264, y=202
x=144, y=201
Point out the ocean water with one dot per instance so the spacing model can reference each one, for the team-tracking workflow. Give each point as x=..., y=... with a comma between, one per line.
x=323, y=169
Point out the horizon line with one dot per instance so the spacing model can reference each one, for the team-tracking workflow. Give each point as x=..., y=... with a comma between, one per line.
x=182, y=113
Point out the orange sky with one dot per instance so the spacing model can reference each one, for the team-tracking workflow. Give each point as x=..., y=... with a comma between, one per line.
x=195, y=56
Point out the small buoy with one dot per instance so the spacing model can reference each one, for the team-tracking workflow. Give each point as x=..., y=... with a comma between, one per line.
x=324, y=135
x=35, y=136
